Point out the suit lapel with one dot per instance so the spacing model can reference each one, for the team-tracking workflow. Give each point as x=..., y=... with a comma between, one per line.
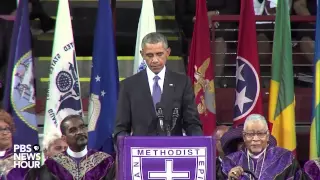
x=168, y=94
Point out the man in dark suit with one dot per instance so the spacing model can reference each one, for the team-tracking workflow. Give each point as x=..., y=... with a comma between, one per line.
x=140, y=93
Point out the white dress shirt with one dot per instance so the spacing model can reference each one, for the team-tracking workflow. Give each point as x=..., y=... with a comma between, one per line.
x=151, y=75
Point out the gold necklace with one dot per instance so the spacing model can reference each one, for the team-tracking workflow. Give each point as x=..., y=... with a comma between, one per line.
x=264, y=156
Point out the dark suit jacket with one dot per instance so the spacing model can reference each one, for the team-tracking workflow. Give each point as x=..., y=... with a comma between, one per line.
x=185, y=10
x=136, y=111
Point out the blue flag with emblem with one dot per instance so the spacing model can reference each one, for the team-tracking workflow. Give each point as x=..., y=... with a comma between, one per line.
x=104, y=82
x=19, y=98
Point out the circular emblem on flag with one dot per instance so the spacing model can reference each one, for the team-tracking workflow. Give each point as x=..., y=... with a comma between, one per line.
x=247, y=88
x=64, y=81
x=23, y=90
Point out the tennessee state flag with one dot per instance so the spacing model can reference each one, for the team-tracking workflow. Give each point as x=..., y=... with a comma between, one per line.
x=248, y=96
x=200, y=69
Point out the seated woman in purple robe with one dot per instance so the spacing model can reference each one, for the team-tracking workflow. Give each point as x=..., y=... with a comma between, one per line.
x=312, y=169
x=259, y=159
x=52, y=144
x=77, y=162
x=7, y=170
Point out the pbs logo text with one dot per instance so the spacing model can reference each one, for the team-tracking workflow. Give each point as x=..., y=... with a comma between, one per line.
x=26, y=156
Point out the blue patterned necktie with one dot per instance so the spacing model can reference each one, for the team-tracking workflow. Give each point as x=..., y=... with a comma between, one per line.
x=156, y=93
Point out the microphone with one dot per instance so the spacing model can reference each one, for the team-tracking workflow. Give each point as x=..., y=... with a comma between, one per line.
x=160, y=116
x=171, y=124
x=175, y=116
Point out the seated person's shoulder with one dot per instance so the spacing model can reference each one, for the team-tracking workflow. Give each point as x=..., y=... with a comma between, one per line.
x=99, y=155
x=233, y=156
x=281, y=153
x=130, y=80
x=179, y=76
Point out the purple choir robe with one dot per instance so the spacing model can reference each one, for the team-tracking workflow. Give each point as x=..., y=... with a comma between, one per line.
x=312, y=169
x=11, y=173
x=279, y=164
x=94, y=166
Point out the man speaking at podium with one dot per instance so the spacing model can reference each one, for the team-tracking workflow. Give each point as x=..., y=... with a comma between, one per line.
x=156, y=97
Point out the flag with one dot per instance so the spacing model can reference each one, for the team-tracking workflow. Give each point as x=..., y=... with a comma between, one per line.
x=104, y=82
x=248, y=96
x=315, y=126
x=281, y=100
x=200, y=69
x=64, y=96
x=19, y=98
x=146, y=25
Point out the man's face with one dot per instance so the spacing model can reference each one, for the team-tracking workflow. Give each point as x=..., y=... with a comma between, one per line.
x=76, y=134
x=256, y=137
x=5, y=135
x=56, y=147
x=156, y=56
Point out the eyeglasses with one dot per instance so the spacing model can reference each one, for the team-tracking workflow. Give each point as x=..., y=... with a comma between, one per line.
x=260, y=135
x=5, y=130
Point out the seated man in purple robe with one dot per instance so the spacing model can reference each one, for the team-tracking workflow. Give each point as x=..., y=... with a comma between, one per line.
x=77, y=162
x=312, y=169
x=232, y=140
x=259, y=159
x=7, y=170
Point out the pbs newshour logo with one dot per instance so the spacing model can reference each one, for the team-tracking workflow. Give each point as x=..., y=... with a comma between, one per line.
x=26, y=156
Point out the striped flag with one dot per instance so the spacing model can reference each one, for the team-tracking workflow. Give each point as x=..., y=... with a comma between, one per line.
x=20, y=98
x=146, y=25
x=281, y=102
x=200, y=70
x=64, y=97
x=315, y=126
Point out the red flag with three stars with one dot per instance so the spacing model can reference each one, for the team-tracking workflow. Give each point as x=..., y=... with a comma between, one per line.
x=248, y=97
x=200, y=69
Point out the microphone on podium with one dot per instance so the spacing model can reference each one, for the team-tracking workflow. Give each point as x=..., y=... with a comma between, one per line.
x=175, y=116
x=160, y=116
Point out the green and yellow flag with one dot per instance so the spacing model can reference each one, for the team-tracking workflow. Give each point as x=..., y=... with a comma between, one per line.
x=315, y=127
x=281, y=102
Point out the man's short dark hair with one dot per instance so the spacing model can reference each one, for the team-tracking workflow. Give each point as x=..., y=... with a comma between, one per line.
x=63, y=125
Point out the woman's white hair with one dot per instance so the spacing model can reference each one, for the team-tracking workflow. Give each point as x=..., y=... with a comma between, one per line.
x=255, y=118
x=49, y=139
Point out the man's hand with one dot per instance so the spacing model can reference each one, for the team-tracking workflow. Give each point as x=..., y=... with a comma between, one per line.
x=235, y=173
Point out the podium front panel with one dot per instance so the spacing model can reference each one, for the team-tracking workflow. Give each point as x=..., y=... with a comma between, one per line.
x=166, y=158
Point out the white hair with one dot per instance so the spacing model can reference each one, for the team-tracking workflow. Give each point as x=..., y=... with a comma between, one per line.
x=255, y=118
x=49, y=139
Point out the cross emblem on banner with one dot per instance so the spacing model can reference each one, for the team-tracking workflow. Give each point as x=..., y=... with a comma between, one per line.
x=168, y=174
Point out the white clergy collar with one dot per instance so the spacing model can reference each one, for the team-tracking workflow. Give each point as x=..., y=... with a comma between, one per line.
x=2, y=153
x=257, y=156
x=77, y=154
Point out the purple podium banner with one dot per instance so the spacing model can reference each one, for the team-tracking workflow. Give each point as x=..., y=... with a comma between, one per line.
x=166, y=158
